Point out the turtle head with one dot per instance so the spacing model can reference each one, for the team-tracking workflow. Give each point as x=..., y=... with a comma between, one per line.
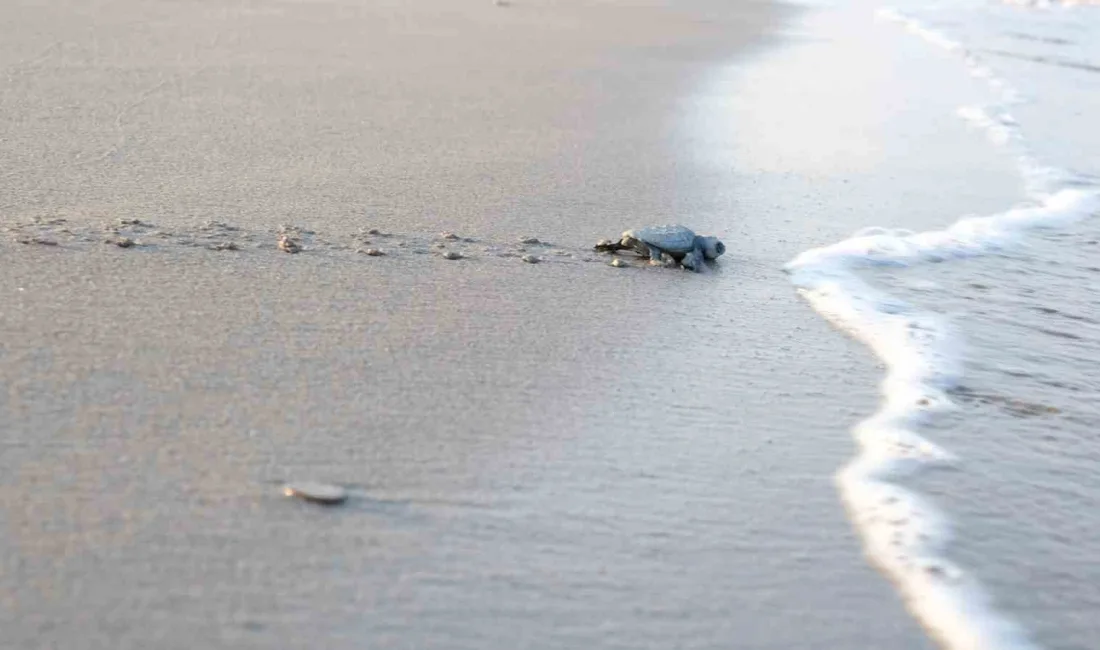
x=712, y=247
x=629, y=240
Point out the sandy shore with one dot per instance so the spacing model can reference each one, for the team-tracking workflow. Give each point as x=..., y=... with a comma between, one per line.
x=556, y=455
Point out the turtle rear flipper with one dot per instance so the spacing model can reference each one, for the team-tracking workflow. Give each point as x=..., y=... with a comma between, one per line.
x=608, y=246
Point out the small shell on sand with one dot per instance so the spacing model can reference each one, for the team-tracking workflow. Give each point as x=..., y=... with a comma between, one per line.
x=617, y=262
x=452, y=255
x=374, y=252
x=322, y=493
x=531, y=259
x=450, y=236
x=121, y=242
x=288, y=245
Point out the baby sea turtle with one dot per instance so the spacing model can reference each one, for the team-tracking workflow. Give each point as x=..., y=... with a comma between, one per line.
x=677, y=242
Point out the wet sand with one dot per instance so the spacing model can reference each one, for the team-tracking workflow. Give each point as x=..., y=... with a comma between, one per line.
x=551, y=455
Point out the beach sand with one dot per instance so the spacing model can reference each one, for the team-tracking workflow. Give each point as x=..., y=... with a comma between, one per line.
x=551, y=455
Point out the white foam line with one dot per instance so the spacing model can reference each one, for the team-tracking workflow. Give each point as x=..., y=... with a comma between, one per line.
x=903, y=533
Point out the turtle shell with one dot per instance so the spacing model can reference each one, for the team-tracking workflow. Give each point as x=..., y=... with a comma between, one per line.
x=670, y=238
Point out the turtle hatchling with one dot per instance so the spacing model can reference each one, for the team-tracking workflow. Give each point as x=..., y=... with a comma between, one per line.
x=660, y=243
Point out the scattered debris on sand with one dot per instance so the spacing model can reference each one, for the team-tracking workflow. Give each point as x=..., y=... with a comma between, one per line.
x=219, y=236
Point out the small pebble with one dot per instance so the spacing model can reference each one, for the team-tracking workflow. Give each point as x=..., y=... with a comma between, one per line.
x=132, y=222
x=533, y=241
x=374, y=231
x=530, y=259
x=374, y=252
x=322, y=493
x=288, y=245
x=617, y=262
x=449, y=236
x=452, y=255
x=121, y=242
x=225, y=246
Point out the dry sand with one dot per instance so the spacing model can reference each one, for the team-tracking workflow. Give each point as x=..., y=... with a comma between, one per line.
x=557, y=455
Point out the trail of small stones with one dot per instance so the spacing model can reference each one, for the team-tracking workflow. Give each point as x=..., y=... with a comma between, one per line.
x=224, y=238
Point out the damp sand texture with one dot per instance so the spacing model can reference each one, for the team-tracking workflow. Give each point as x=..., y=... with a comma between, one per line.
x=536, y=457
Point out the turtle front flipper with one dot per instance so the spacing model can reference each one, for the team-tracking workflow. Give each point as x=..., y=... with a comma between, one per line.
x=654, y=254
x=693, y=259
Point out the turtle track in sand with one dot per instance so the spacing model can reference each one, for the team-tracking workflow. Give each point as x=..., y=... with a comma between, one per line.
x=221, y=238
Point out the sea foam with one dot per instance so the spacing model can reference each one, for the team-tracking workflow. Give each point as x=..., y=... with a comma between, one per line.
x=904, y=533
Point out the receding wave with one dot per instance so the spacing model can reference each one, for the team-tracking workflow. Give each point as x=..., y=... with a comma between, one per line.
x=903, y=532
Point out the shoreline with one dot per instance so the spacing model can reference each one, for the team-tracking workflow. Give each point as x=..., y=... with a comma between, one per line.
x=541, y=455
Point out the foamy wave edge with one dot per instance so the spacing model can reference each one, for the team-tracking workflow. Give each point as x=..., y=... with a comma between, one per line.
x=903, y=533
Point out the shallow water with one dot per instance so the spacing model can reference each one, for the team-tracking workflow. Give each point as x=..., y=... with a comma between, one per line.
x=972, y=490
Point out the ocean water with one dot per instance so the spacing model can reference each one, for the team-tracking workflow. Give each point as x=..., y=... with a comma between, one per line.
x=974, y=484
